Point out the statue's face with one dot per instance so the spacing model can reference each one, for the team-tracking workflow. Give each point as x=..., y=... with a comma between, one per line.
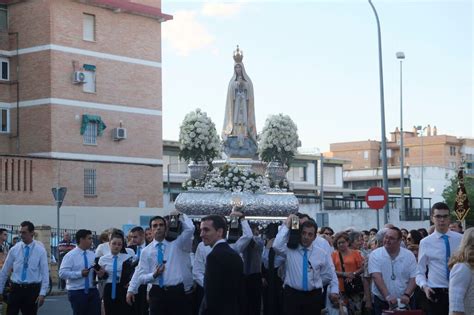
x=238, y=69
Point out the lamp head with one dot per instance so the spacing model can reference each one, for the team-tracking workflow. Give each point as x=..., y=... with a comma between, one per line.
x=400, y=55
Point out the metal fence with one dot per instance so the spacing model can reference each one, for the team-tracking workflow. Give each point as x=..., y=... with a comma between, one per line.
x=14, y=236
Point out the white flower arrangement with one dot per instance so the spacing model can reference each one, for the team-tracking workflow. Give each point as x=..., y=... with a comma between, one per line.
x=231, y=178
x=279, y=140
x=198, y=138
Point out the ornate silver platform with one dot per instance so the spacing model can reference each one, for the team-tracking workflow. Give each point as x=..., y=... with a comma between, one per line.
x=270, y=204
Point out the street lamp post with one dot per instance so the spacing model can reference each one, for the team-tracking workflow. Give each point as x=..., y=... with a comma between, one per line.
x=421, y=130
x=400, y=55
x=382, y=115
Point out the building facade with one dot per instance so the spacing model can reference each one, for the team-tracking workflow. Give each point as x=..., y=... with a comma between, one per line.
x=430, y=161
x=81, y=108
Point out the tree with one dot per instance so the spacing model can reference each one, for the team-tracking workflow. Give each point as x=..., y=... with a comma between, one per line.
x=449, y=195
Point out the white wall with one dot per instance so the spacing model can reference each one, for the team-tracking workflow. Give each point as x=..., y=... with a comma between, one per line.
x=360, y=219
x=435, y=179
x=92, y=218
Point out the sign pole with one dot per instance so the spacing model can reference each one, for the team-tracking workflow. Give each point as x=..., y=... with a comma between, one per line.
x=378, y=221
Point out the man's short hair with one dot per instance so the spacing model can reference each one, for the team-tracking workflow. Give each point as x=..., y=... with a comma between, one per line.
x=138, y=229
x=29, y=225
x=218, y=222
x=82, y=234
x=3, y=230
x=399, y=232
x=440, y=206
x=157, y=217
x=310, y=224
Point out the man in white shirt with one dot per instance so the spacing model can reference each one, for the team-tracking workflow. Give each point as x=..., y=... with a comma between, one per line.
x=30, y=276
x=433, y=255
x=393, y=270
x=140, y=307
x=306, y=267
x=76, y=269
x=162, y=264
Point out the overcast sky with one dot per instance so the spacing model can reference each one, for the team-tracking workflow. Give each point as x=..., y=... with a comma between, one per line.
x=317, y=61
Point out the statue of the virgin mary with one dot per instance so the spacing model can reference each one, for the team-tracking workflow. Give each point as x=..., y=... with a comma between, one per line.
x=239, y=120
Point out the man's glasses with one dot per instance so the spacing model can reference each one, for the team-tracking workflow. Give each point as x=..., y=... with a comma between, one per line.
x=441, y=216
x=154, y=225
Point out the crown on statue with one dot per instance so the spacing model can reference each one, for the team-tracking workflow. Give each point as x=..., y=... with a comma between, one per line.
x=238, y=55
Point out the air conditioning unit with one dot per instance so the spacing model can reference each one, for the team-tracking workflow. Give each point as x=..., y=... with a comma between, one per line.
x=119, y=134
x=79, y=77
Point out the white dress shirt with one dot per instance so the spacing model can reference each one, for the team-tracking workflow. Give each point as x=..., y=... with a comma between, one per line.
x=199, y=266
x=107, y=262
x=104, y=249
x=432, y=254
x=37, y=262
x=324, y=245
x=403, y=268
x=320, y=264
x=72, y=266
x=175, y=254
x=461, y=289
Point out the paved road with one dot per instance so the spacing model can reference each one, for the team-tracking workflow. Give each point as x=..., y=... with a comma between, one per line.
x=56, y=305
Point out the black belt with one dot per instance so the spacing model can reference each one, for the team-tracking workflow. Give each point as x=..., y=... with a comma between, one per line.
x=178, y=287
x=25, y=285
x=441, y=290
x=314, y=291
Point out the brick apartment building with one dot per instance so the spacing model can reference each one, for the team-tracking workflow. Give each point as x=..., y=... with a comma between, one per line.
x=81, y=107
x=438, y=150
x=435, y=155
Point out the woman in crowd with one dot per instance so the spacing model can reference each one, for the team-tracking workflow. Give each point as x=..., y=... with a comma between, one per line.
x=115, y=292
x=414, y=237
x=461, y=280
x=349, y=267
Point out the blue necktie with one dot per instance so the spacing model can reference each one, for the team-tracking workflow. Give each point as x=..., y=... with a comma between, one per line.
x=26, y=258
x=448, y=252
x=139, y=251
x=114, y=278
x=86, y=266
x=160, y=261
x=305, y=270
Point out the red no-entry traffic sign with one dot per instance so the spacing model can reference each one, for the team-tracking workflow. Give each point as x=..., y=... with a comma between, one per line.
x=376, y=198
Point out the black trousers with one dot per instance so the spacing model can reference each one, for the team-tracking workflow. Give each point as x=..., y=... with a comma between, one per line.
x=440, y=303
x=198, y=296
x=85, y=303
x=119, y=305
x=140, y=307
x=169, y=301
x=23, y=298
x=297, y=302
x=273, y=294
x=253, y=292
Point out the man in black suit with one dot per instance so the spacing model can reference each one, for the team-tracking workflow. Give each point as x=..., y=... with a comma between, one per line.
x=223, y=278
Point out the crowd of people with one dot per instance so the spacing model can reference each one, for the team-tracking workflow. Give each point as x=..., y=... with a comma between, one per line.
x=177, y=266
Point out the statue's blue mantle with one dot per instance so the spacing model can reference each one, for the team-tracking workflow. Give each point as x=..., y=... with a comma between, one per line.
x=270, y=204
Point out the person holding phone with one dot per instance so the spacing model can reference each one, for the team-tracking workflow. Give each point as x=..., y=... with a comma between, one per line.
x=78, y=270
x=112, y=263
